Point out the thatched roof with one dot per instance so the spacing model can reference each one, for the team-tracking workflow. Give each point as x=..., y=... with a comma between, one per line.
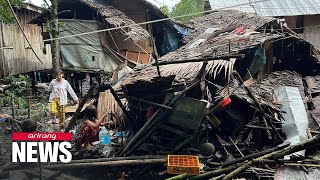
x=216, y=34
x=226, y=18
x=248, y=34
x=219, y=46
x=117, y=18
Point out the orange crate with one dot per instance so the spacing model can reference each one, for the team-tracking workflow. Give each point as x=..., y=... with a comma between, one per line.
x=180, y=164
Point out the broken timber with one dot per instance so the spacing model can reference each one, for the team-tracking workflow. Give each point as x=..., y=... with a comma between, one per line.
x=151, y=103
x=154, y=120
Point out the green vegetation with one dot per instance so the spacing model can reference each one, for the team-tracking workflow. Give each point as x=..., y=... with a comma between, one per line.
x=6, y=15
x=165, y=10
x=19, y=89
x=187, y=7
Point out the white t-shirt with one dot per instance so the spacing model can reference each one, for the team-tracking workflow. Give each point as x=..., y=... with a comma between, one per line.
x=60, y=90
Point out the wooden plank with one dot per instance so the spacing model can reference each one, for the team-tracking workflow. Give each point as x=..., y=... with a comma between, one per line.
x=19, y=59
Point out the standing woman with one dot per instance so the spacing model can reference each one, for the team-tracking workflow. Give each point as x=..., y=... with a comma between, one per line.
x=58, y=100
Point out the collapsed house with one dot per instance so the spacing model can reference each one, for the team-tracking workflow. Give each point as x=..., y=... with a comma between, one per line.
x=193, y=96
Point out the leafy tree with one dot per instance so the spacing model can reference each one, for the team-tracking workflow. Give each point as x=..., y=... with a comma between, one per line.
x=6, y=15
x=187, y=7
x=165, y=10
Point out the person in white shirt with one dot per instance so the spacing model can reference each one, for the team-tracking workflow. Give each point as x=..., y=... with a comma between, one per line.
x=59, y=97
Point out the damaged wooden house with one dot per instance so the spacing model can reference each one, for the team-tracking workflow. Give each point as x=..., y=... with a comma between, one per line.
x=104, y=51
x=17, y=57
x=303, y=17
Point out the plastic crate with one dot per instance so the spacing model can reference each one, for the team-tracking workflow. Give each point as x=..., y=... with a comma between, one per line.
x=180, y=164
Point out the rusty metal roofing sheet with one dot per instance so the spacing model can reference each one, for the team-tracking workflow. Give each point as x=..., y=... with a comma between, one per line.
x=293, y=173
x=272, y=7
x=313, y=83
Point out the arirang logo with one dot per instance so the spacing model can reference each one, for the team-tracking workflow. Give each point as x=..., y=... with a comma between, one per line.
x=41, y=151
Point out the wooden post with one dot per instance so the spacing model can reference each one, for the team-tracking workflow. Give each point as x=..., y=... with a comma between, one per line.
x=55, y=43
x=13, y=109
x=29, y=108
x=123, y=108
x=81, y=104
x=158, y=68
x=13, y=113
x=81, y=84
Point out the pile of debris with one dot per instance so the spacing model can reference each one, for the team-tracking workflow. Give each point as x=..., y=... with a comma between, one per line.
x=182, y=104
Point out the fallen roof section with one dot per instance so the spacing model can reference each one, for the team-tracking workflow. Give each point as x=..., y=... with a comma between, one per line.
x=117, y=18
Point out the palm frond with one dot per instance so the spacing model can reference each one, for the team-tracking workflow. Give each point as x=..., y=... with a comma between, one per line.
x=216, y=67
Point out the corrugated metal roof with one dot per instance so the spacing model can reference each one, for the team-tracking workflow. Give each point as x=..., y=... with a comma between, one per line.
x=219, y=4
x=272, y=7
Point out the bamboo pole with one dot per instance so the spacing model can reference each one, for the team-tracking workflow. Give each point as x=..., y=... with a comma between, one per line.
x=279, y=153
x=179, y=177
x=200, y=59
x=213, y=173
x=108, y=164
x=81, y=104
x=29, y=108
x=120, y=163
x=251, y=156
x=123, y=108
x=114, y=159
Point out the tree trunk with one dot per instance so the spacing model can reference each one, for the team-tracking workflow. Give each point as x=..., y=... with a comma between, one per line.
x=55, y=44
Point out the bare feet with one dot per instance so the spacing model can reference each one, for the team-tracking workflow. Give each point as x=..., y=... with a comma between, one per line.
x=54, y=120
x=88, y=146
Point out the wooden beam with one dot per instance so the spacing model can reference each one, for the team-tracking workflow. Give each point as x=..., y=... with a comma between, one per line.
x=81, y=104
x=149, y=102
x=227, y=57
x=120, y=163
